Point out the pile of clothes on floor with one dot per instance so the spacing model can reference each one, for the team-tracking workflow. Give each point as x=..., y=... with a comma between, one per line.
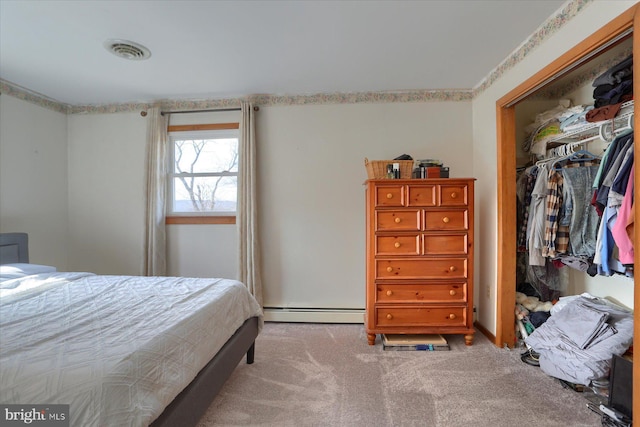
x=580, y=336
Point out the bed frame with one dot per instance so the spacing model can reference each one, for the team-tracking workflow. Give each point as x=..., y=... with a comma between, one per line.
x=14, y=247
x=189, y=406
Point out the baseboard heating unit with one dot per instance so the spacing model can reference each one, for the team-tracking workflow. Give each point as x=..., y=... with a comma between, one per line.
x=313, y=315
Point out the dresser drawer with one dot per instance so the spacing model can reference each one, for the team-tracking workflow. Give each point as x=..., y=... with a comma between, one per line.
x=389, y=195
x=398, y=245
x=411, y=293
x=407, y=219
x=434, y=268
x=445, y=244
x=422, y=195
x=446, y=220
x=453, y=195
x=421, y=316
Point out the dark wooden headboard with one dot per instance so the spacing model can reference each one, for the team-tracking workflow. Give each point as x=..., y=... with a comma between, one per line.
x=14, y=247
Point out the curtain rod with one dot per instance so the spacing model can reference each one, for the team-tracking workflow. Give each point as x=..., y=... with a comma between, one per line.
x=200, y=111
x=144, y=113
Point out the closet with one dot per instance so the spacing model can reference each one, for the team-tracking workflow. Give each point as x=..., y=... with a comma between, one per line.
x=580, y=143
x=515, y=110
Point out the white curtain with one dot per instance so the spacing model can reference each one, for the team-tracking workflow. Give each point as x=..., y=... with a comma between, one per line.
x=155, y=248
x=247, y=218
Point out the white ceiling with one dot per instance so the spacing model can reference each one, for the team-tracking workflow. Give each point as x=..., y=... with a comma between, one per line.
x=227, y=49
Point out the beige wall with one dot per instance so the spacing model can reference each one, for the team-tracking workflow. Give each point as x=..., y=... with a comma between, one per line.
x=33, y=178
x=106, y=192
x=311, y=174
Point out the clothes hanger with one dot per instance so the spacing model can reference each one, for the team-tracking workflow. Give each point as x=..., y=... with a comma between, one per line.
x=582, y=156
x=574, y=156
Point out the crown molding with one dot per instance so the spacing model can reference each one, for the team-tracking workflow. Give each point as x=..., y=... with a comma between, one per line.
x=25, y=94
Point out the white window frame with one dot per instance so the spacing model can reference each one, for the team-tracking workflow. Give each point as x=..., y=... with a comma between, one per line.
x=171, y=173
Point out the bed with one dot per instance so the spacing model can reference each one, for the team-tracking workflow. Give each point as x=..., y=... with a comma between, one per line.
x=120, y=350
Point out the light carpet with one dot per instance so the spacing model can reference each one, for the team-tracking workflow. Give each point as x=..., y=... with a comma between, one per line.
x=327, y=375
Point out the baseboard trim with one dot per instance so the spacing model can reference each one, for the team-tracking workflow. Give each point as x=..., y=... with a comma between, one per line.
x=313, y=315
x=486, y=333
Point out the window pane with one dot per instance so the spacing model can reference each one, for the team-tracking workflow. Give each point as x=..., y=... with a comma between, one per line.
x=206, y=155
x=205, y=194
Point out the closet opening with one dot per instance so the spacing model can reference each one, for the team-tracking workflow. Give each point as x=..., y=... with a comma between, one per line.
x=568, y=77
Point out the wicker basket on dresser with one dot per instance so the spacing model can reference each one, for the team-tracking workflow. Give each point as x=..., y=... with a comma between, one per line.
x=419, y=257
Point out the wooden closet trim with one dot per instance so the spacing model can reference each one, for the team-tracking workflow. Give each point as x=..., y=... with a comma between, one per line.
x=506, y=175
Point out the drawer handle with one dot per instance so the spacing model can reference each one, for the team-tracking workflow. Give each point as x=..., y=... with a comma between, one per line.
x=396, y=244
x=389, y=316
x=389, y=196
x=397, y=220
x=389, y=293
x=454, y=195
x=446, y=219
x=452, y=292
x=389, y=269
x=452, y=316
x=452, y=268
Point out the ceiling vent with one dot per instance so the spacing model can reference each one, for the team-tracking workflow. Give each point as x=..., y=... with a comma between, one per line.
x=127, y=49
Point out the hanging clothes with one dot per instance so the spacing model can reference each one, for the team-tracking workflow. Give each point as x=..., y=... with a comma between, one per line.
x=610, y=195
x=619, y=229
x=580, y=217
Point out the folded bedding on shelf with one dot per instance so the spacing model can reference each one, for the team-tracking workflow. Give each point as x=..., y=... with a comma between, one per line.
x=553, y=123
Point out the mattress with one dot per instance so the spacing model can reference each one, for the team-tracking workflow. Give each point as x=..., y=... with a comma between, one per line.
x=117, y=349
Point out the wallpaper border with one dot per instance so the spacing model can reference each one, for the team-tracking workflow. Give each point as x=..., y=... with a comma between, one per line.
x=548, y=28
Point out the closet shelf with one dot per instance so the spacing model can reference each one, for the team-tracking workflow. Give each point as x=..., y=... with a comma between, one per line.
x=605, y=130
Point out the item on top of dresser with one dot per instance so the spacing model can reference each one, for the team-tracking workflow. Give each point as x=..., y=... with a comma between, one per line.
x=390, y=174
x=429, y=162
x=377, y=169
x=430, y=168
x=403, y=157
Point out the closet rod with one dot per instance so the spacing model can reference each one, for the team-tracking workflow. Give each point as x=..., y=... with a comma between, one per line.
x=572, y=67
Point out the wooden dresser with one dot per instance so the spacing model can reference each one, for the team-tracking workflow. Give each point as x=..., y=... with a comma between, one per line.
x=419, y=257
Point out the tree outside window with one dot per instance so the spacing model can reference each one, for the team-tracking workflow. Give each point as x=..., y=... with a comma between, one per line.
x=204, y=172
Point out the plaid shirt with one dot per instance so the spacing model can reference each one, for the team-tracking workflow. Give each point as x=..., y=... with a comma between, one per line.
x=556, y=237
x=553, y=201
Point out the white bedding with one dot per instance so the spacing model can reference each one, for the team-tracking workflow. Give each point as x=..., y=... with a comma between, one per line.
x=18, y=270
x=118, y=349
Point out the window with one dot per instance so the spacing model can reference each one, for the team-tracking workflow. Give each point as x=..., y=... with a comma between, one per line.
x=203, y=172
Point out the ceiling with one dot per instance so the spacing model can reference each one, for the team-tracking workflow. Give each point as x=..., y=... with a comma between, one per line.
x=229, y=49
